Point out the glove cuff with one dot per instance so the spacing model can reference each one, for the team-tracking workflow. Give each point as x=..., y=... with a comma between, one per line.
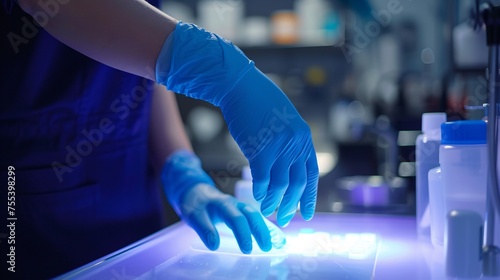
x=181, y=172
x=164, y=60
x=200, y=64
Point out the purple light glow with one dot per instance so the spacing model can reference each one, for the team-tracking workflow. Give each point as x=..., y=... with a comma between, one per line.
x=330, y=246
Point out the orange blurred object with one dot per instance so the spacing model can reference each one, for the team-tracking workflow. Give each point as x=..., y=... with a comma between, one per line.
x=285, y=26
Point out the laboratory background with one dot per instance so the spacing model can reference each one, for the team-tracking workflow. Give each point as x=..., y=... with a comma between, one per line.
x=361, y=73
x=364, y=75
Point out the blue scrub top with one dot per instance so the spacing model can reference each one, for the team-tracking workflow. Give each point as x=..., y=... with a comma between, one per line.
x=76, y=132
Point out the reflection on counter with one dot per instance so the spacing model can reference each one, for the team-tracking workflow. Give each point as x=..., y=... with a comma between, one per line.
x=331, y=246
x=315, y=254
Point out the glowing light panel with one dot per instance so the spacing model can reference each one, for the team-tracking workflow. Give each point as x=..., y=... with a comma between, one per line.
x=351, y=245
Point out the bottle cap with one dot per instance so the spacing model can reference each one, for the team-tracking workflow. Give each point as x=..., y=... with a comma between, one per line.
x=431, y=124
x=463, y=133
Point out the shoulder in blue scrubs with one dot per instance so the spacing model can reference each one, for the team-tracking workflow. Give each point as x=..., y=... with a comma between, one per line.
x=76, y=132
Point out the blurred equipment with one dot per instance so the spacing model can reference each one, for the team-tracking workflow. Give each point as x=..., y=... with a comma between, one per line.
x=462, y=259
x=205, y=124
x=491, y=253
x=469, y=50
x=363, y=193
x=319, y=22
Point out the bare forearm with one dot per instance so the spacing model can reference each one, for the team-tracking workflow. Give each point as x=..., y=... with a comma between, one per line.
x=167, y=132
x=124, y=34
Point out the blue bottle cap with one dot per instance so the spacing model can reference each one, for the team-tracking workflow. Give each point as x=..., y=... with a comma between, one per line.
x=463, y=133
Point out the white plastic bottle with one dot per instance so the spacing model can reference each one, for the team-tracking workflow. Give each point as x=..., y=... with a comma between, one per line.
x=312, y=16
x=436, y=206
x=243, y=191
x=427, y=157
x=463, y=158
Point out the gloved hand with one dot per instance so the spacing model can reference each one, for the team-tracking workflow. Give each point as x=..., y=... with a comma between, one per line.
x=192, y=194
x=268, y=129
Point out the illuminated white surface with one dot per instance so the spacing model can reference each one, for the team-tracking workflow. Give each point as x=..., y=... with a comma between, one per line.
x=331, y=246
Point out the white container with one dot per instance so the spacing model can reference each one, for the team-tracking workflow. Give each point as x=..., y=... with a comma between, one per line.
x=427, y=157
x=312, y=19
x=463, y=161
x=257, y=31
x=436, y=207
x=222, y=17
x=469, y=49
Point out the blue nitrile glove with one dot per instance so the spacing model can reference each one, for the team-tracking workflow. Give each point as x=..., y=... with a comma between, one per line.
x=268, y=129
x=192, y=194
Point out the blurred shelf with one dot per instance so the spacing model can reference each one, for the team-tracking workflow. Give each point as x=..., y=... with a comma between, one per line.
x=298, y=46
x=470, y=70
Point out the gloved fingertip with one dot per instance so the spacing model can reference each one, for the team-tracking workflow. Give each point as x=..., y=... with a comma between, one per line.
x=307, y=211
x=266, y=209
x=308, y=216
x=212, y=241
x=266, y=248
x=247, y=249
x=266, y=245
x=284, y=224
x=284, y=221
